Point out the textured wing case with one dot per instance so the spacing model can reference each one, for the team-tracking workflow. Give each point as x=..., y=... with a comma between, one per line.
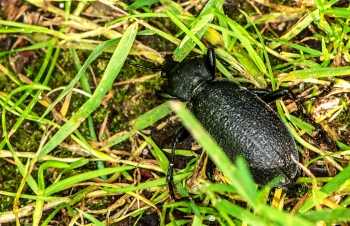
x=242, y=124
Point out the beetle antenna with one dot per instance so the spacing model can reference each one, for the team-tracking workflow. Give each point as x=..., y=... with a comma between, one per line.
x=143, y=67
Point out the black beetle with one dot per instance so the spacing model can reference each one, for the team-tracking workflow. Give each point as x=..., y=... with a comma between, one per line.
x=239, y=120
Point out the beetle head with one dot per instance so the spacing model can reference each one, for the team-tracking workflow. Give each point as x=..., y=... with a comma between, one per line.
x=182, y=80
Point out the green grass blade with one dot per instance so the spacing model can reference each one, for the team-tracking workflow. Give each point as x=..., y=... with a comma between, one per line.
x=317, y=73
x=300, y=124
x=306, y=21
x=61, y=185
x=327, y=189
x=31, y=47
x=198, y=29
x=328, y=215
x=106, y=82
x=140, y=123
x=283, y=218
x=140, y=3
x=180, y=53
x=152, y=116
x=44, y=166
x=158, y=154
x=338, y=12
x=238, y=212
x=145, y=185
x=95, y=53
x=91, y=218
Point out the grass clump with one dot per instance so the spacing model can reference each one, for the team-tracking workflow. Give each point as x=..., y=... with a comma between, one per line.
x=111, y=123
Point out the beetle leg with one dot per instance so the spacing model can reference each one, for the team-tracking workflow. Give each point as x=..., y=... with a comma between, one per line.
x=210, y=169
x=277, y=94
x=181, y=135
x=210, y=61
x=260, y=92
x=162, y=94
x=283, y=92
x=320, y=134
x=324, y=93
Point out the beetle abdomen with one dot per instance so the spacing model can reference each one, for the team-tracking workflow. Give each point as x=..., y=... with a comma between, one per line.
x=242, y=124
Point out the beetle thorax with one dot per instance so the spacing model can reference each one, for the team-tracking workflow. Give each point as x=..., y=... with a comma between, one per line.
x=185, y=77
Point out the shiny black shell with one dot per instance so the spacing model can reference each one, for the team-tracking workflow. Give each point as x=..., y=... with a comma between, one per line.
x=242, y=124
x=239, y=121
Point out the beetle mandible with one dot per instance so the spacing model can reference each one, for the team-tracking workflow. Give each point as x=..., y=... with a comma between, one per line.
x=239, y=120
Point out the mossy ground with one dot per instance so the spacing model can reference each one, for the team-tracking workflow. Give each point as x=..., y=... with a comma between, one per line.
x=122, y=108
x=125, y=103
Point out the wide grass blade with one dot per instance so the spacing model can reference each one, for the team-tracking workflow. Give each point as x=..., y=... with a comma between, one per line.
x=327, y=190
x=83, y=177
x=106, y=82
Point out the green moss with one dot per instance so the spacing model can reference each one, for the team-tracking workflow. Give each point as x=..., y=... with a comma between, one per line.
x=343, y=120
x=10, y=179
x=3, y=82
x=342, y=126
x=97, y=204
x=99, y=115
x=297, y=190
x=125, y=105
x=27, y=139
x=131, y=100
